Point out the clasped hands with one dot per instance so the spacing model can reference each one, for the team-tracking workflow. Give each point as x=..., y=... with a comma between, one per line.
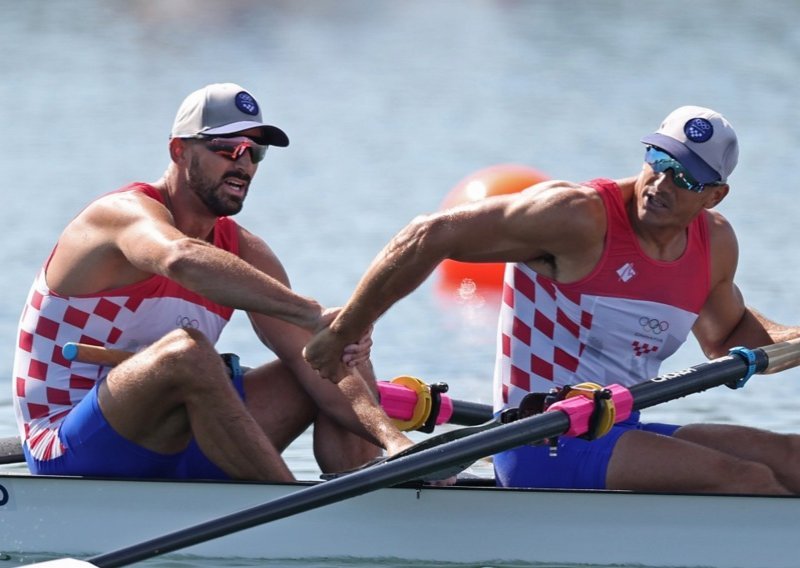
x=331, y=355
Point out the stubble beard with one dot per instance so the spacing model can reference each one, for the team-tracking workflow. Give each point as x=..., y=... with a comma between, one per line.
x=211, y=193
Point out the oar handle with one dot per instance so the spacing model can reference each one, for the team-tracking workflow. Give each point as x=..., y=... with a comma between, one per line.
x=400, y=402
x=782, y=356
x=94, y=354
x=416, y=405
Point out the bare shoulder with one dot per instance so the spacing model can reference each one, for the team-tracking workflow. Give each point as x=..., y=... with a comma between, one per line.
x=121, y=208
x=720, y=229
x=724, y=246
x=255, y=251
x=564, y=204
x=108, y=244
x=104, y=222
x=562, y=195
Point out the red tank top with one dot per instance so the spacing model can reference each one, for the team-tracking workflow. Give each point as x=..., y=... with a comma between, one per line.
x=47, y=386
x=616, y=325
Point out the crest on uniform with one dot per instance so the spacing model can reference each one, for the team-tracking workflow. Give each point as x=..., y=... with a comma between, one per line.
x=626, y=271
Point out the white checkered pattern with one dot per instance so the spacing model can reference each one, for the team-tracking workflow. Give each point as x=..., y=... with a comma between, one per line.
x=540, y=334
x=46, y=386
x=546, y=339
x=615, y=326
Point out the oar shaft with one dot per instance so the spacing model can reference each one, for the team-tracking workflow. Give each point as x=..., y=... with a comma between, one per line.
x=465, y=450
x=704, y=376
x=488, y=441
x=468, y=413
x=413, y=466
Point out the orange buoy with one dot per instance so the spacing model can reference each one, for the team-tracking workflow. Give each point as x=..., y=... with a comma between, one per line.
x=494, y=180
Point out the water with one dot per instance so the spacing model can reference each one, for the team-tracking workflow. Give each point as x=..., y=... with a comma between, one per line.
x=388, y=105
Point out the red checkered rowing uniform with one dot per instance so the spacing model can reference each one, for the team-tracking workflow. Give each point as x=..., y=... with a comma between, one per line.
x=47, y=387
x=616, y=325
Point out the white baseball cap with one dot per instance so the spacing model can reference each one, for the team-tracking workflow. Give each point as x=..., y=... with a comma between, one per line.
x=701, y=139
x=223, y=108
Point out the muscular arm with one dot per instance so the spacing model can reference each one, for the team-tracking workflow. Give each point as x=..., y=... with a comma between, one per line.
x=124, y=238
x=555, y=220
x=725, y=320
x=351, y=403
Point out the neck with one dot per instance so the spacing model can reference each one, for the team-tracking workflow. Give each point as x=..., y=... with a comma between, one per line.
x=661, y=237
x=663, y=246
x=183, y=205
x=660, y=242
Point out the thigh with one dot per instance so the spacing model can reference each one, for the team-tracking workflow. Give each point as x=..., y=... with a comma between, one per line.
x=780, y=452
x=645, y=461
x=144, y=398
x=741, y=441
x=93, y=447
x=278, y=403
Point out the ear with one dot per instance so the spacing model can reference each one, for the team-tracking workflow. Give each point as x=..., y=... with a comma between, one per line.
x=716, y=194
x=177, y=149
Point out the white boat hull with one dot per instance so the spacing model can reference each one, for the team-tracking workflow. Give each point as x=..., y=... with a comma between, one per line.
x=477, y=525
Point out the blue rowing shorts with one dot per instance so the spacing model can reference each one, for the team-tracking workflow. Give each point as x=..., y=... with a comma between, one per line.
x=578, y=464
x=94, y=448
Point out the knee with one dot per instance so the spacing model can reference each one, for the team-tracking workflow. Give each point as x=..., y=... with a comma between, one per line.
x=183, y=341
x=791, y=448
x=753, y=477
x=787, y=456
x=187, y=350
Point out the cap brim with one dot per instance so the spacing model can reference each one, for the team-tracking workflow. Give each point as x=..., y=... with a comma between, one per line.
x=699, y=169
x=270, y=135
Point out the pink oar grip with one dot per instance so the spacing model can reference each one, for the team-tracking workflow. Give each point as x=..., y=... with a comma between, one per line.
x=579, y=409
x=446, y=410
x=399, y=402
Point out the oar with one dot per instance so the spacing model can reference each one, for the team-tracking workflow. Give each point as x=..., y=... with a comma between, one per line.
x=413, y=404
x=569, y=417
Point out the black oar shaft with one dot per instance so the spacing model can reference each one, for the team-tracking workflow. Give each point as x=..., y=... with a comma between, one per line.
x=468, y=413
x=695, y=379
x=491, y=439
x=465, y=450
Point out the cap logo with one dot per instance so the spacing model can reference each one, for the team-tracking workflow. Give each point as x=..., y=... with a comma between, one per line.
x=698, y=130
x=246, y=103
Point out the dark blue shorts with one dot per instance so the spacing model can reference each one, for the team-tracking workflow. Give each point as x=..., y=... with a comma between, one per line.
x=94, y=448
x=579, y=464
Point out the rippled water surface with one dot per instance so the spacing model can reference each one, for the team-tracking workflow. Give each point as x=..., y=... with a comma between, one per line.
x=388, y=106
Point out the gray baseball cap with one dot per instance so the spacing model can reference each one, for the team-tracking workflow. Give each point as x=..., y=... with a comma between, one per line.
x=223, y=108
x=701, y=139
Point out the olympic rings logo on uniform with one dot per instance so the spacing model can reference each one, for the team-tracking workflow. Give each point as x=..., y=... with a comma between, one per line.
x=653, y=325
x=186, y=322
